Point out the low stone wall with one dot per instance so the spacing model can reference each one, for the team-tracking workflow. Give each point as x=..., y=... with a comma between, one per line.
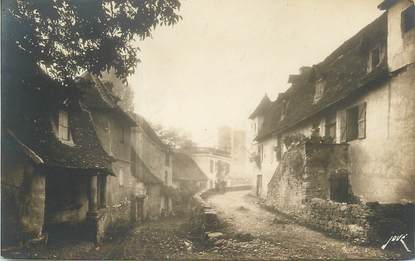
x=370, y=223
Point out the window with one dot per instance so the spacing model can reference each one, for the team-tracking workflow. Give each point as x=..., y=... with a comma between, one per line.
x=63, y=125
x=211, y=166
x=375, y=58
x=284, y=109
x=166, y=177
x=353, y=123
x=408, y=19
x=331, y=127
x=319, y=91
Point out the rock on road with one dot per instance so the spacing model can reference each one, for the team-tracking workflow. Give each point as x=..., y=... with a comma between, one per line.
x=282, y=238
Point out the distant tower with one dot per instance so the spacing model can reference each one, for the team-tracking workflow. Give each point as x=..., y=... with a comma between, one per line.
x=225, y=139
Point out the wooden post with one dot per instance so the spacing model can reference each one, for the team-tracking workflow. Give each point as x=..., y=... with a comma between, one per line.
x=92, y=195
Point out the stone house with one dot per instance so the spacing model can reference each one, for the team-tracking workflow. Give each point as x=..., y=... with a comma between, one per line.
x=361, y=100
x=360, y=95
x=113, y=127
x=51, y=161
x=154, y=164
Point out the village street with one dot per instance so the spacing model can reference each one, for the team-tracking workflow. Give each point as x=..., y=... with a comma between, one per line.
x=275, y=236
x=249, y=232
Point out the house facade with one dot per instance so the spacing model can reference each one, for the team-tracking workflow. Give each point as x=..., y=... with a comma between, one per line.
x=154, y=160
x=52, y=159
x=361, y=95
x=215, y=164
x=113, y=127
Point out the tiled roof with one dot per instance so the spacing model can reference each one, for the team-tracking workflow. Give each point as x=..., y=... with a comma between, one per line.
x=142, y=172
x=99, y=96
x=143, y=123
x=35, y=132
x=184, y=168
x=344, y=73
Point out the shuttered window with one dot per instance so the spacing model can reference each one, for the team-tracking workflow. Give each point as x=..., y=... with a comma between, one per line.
x=361, y=129
x=353, y=123
x=342, y=119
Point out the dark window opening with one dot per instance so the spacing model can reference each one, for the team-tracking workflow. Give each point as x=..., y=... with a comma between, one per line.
x=339, y=188
x=408, y=19
x=64, y=192
x=352, y=121
x=166, y=177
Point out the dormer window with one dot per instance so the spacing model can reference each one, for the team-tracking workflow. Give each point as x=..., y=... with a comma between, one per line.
x=63, y=126
x=408, y=19
x=375, y=58
x=284, y=109
x=319, y=91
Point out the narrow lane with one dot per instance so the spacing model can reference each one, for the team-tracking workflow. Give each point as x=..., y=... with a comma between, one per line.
x=290, y=240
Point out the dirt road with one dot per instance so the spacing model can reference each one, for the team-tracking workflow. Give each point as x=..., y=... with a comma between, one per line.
x=281, y=237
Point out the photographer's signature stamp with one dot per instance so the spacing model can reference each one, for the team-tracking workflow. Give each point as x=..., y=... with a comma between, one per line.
x=397, y=238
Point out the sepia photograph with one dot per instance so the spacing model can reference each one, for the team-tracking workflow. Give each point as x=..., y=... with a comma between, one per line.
x=207, y=130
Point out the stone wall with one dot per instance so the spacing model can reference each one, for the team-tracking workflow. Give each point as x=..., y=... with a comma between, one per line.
x=360, y=223
x=300, y=188
x=304, y=173
x=22, y=199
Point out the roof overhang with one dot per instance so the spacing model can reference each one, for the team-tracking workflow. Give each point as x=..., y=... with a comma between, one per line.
x=386, y=4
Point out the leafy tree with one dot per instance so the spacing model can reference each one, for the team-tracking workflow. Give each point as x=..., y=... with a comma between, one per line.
x=69, y=37
x=176, y=138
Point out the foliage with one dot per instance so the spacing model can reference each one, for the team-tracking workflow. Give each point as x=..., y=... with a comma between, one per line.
x=174, y=137
x=299, y=138
x=69, y=37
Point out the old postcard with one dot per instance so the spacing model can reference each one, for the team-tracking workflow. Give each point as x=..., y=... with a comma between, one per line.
x=208, y=129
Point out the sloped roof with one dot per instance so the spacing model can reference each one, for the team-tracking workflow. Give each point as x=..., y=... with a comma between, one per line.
x=344, y=73
x=143, y=123
x=386, y=4
x=35, y=134
x=142, y=172
x=184, y=168
x=262, y=107
x=99, y=96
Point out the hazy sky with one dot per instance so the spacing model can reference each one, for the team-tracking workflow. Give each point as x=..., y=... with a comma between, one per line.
x=214, y=66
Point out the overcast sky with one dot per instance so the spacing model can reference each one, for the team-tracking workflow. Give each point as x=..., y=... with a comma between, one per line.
x=214, y=66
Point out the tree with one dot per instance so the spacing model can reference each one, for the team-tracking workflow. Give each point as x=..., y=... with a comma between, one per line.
x=69, y=37
x=176, y=138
